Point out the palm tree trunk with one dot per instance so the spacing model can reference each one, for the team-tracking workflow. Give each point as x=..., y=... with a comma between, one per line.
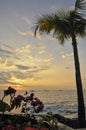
x=80, y=98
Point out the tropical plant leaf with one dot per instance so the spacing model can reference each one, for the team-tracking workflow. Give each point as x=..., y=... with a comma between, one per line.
x=80, y=5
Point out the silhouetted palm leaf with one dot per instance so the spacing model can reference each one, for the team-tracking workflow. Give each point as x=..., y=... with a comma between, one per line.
x=80, y=5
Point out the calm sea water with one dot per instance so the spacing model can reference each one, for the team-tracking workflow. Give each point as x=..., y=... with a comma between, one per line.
x=63, y=102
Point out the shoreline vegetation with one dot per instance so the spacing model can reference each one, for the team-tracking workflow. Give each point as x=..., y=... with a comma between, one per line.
x=23, y=120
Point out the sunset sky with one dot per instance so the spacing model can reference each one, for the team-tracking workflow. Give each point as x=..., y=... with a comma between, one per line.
x=27, y=62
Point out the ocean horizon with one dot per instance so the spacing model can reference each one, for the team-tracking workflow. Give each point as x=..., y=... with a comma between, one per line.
x=63, y=102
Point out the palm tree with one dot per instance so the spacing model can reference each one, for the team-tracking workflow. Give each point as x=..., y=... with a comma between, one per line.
x=64, y=25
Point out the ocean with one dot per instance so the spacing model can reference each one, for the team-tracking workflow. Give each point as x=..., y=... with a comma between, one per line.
x=63, y=102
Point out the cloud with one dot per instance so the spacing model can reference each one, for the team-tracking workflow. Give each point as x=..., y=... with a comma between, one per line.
x=9, y=64
x=6, y=51
x=37, y=60
x=13, y=77
x=28, y=21
x=5, y=62
x=2, y=61
x=21, y=75
x=28, y=66
x=24, y=49
x=23, y=33
x=4, y=77
x=38, y=69
x=30, y=54
x=41, y=52
x=17, y=77
x=22, y=67
x=49, y=60
x=3, y=51
x=67, y=67
x=29, y=33
x=66, y=55
x=7, y=46
x=40, y=46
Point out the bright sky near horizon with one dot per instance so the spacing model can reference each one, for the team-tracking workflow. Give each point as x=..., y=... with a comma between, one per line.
x=27, y=62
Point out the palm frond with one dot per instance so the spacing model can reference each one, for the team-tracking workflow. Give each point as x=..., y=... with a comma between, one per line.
x=80, y=5
x=80, y=28
x=44, y=24
x=36, y=28
x=62, y=25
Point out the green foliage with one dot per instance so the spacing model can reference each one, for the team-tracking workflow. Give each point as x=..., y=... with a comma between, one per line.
x=48, y=121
